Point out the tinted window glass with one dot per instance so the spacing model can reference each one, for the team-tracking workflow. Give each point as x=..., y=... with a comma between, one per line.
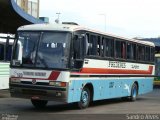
x=92, y=45
x=131, y=51
x=28, y=42
x=53, y=50
x=147, y=54
x=120, y=49
x=108, y=47
x=152, y=54
x=141, y=53
x=1, y=52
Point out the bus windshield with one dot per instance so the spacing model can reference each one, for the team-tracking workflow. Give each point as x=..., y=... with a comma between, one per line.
x=42, y=49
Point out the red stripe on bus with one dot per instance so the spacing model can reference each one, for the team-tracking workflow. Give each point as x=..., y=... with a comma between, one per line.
x=115, y=71
x=54, y=75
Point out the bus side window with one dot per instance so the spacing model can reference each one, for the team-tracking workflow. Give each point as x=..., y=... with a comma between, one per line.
x=123, y=50
x=1, y=52
x=108, y=47
x=152, y=55
x=103, y=47
x=78, y=50
x=134, y=52
x=118, y=49
x=99, y=46
x=8, y=53
x=92, y=45
x=141, y=53
x=147, y=53
x=129, y=51
x=76, y=47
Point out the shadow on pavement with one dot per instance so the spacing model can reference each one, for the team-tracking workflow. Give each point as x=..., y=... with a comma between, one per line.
x=65, y=107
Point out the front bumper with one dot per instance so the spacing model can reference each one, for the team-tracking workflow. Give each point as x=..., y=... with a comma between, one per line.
x=38, y=92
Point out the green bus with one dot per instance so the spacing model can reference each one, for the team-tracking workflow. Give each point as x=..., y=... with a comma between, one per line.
x=157, y=69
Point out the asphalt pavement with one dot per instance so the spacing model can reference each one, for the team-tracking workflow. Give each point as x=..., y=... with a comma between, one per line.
x=145, y=108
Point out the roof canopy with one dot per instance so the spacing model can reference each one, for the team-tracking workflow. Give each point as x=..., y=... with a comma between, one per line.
x=12, y=16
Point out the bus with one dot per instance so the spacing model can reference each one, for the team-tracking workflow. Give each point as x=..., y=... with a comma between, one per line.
x=157, y=58
x=157, y=69
x=6, y=43
x=69, y=63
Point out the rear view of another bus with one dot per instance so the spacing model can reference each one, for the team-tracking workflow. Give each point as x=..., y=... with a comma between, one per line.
x=6, y=43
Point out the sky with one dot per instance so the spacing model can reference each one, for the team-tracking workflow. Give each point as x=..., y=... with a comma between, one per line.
x=127, y=18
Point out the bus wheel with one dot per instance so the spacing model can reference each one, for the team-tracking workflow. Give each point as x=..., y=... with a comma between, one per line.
x=39, y=103
x=85, y=98
x=134, y=92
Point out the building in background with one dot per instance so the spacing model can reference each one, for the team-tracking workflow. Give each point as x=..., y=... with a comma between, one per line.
x=30, y=6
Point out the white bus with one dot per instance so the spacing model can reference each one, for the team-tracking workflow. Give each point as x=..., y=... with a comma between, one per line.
x=6, y=43
x=69, y=63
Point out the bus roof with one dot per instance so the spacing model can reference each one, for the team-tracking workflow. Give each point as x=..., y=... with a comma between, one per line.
x=72, y=28
x=4, y=41
x=3, y=38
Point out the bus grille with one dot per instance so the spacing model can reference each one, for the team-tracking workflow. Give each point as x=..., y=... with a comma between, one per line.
x=34, y=92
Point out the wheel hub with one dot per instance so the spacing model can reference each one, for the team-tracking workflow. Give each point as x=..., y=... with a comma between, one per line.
x=84, y=96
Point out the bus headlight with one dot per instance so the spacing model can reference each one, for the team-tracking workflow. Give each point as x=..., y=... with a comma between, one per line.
x=15, y=80
x=58, y=84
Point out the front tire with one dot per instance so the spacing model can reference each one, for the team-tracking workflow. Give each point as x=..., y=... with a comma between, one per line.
x=39, y=104
x=134, y=92
x=85, y=98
